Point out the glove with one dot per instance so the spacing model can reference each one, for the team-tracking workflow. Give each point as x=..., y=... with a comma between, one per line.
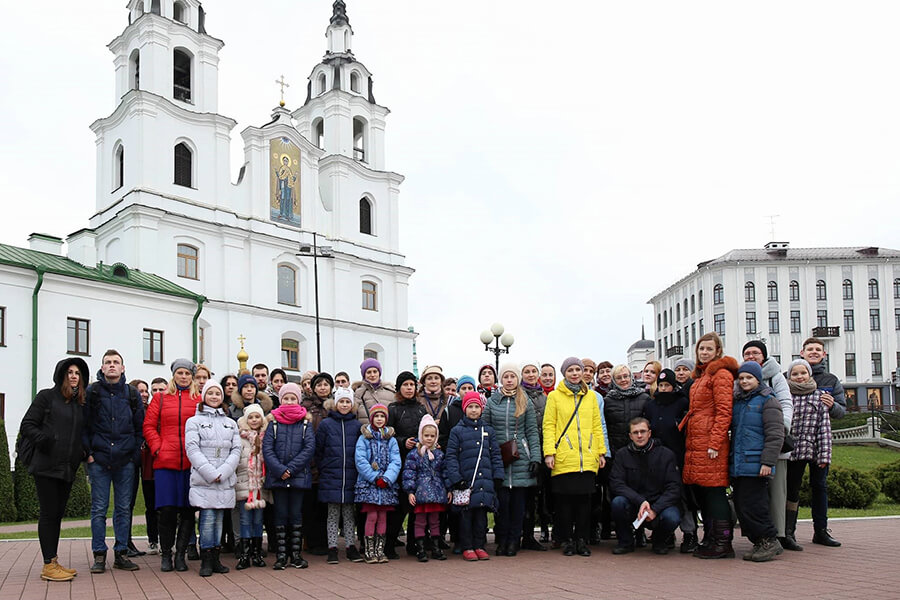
x=381, y=483
x=461, y=484
x=533, y=468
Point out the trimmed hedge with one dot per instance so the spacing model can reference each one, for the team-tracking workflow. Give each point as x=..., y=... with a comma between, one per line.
x=7, y=490
x=847, y=488
x=889, y=475
x=27, y=507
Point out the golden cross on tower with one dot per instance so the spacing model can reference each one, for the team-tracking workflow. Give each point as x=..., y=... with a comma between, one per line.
x=242, y=339
x=283, y=85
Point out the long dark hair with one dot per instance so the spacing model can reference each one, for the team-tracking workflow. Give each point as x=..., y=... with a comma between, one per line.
x=68, y=392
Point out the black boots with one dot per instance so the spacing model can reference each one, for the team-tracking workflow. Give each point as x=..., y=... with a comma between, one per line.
x=181, y=544
x=688, y=543
x=823, y=537
x=167, y=520
x=281, y=558
x=206, y=562
x=353, y=554
x=581, y=548
x=421, y=555
x=436, y=552
x=297, y=561
x=256, y=552
x=719, y=541
x=121, y=561
x=243, y=550
x=217, y=565
x=99, y=565
x=789, y=541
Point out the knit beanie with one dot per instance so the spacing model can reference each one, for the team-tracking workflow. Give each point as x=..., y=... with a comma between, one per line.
x=589, y=363
x=472, y=398
x=569, y=362
x=752, y=367
x=487, y=366
x=290, y=388
x=183, y=363
x=667, y=376
x=369, y=363
x=343, y=393
x=799, y=361
x=511, y=368
x=686, y=363
x=532, y=363
x=756, y=344
x=403, y=377
x=466, y=379
x=245, y=380
x=432, y=369
x=210, y=384
x=307, y=376
x=253, y=408
x=319, y=377
x=378, y=408
x=427, y=421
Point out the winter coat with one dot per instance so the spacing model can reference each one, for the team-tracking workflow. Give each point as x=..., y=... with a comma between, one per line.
x=499, y=414
x=404, y=417
x=646, y=474
x=468, y=439
x=773, y=377
x=706, y=423
x=824, y=379
x=213, y=446
x=433, y=406
x=336, y=457
x=757, y=432
x=665, y=411
x=164, y=428
x=583, y=444
x=620, y=407
x=377, y=455
x=236, y=410
x=368, y=396
x=55, y=426
x=251, y=472
x=453, y=412
x=539, y=400
x=289, y=448
x=113, y=418
x=811, y=429
x=424, y=477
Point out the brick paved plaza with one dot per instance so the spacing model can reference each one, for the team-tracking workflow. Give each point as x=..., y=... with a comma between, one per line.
x=865, y=567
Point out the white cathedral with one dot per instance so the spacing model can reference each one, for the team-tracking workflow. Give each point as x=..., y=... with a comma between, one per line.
x=181, y=260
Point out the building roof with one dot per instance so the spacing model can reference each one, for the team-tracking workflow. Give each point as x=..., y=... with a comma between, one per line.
x=642, y=344
x=116, y=274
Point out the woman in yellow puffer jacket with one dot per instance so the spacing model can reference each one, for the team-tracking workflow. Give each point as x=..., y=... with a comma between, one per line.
x=574, y=449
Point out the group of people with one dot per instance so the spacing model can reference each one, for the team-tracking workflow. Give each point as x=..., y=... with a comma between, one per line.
x=589, y=450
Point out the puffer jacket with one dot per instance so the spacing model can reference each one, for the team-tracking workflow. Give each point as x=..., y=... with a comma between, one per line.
x=582, y=445
x=620, y=407
x=336, y=457
x=213, y=446
x=773, y=377
x=113, y=419
x=164, y=428
x=707, y=422
x=251, y=470
x=377, y=455
x=368, y=396
x=824, y=379
x=499, y=414
x=757, y=432
x=236, y=409
x=665, y=411
x=289, y=448
x=469, y=439
x=424, y=477
x=404, y=416
x=453, y=412
x=55, y=426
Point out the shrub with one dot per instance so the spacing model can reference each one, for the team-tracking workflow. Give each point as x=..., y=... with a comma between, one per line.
x=847, y=488
x=79, y=506
x=882, y=471
x=891, y=486
x=27, y=508
x=7, y=491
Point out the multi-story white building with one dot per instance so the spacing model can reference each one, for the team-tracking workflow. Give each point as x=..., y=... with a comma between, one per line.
x=225, y=248
x=848, y=297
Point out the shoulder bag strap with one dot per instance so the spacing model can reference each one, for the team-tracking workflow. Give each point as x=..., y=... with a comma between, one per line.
x=572, y=418
x=478, y=462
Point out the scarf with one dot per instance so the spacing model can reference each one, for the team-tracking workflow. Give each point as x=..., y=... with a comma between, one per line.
x=485, y=390
x=288, y=414
x=533, y=387
x=802, y=389
x=430, y=406
x=602, y=389
x=547, y=390
x=575, y=388
x=423, y=449
x=617, y=393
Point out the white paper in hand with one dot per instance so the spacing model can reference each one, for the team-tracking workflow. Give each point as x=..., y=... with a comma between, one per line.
x=640, y=520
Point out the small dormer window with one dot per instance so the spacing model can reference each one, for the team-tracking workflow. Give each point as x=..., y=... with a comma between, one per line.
x=121, y=271
x=179, y=13
x=354, y=82
x=321, y=83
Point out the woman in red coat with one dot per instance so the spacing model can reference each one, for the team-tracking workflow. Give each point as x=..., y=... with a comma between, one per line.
x=164, y=434
x=706, y=441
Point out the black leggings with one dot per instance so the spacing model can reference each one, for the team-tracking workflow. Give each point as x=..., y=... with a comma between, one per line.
x=572, y=510
x=53, y=495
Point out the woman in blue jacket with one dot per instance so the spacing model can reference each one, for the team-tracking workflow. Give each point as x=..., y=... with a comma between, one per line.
x=288, y=447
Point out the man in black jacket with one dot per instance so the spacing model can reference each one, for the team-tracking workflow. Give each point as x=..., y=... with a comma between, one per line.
x=645, y=480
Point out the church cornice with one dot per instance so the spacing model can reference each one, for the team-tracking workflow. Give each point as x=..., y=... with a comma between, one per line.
x=149, y=24
x=345, y=163
x=143, y=102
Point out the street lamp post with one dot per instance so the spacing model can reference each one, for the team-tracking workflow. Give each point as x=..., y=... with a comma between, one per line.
x=495, y=334
x=316, y=251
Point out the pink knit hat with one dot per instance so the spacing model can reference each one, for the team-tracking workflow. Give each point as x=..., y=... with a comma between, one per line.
x=470, y=398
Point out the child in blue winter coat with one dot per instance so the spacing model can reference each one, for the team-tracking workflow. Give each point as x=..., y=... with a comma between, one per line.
x=423, y=480
x=336, y=460
x=288, y=446
x=473, y=463
x=378, y=466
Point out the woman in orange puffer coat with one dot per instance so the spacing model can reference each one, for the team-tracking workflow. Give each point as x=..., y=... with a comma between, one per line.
x=706, y=458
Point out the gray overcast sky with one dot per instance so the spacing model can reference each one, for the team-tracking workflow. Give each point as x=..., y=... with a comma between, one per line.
x=564, y=160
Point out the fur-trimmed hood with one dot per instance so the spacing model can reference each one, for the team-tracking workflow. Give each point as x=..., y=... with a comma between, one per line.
x=725, y=362
x=262, y=399
x=387, y=432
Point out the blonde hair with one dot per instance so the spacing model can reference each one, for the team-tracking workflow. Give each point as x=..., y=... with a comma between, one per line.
x=193, y=390
x=618, y=369
x=204, y=368
x=658, y=367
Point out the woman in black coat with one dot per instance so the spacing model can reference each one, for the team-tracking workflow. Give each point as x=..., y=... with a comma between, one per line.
x=53, y=424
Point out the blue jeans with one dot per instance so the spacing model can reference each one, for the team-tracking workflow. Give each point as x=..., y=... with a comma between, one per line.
x=624, y=513
x=121, y=480
x=211, y=527
x=251, y=521
x=288, y=506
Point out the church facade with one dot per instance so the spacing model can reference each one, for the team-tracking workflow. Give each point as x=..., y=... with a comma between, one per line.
x=311, y=215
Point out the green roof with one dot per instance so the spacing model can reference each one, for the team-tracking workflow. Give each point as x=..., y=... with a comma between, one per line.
x=116, y=274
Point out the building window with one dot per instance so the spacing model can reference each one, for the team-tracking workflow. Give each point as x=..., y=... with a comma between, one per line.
x=359, y=139
x=187, y=261
x=794, y=291
x=153, y=346
x=287, y=285
x=777, y=358
x=719, y=323
x=119, y=169
x=772, y=290
x=821, y=318
x=319, y=133
x=321, y=83
x=181, y=76
x=369, y=353
x=849, y=321
x=850, y=364
x=749, y=292
x=658, y=321
x=693, y=333
x=665, y=318
x=2, y=325
x=78, y=339
x=774, y=324
x=820, y=290
x=290, y=354
x=876, y=364
x=365, y=216
x=693, y=307
x=678, y=338
x=354, y=82
x=897, y=289
x=369, y=295
x=678, y=312
x=685, y=308
x=795, y=321
x=718, y=294
x=136, y=70
x=701, y=329
x=874, y=319
x=659, y=344
x=700, y=300
x=184, y=159
x=178, y=12
x=873, y=289
x=847, y=289
x=896, y=326
x=751, y=321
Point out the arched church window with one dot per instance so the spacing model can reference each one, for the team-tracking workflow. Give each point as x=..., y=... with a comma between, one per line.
x=179, y=13
x=321, y=83
x=188, y=257
x=287, y=285
x=182, y=76
x=354, y=82
x=359, y=139
x=135, y=69
x=319, y=133
x=184, y=159
x=369, y=295
x=365, y=216
x=119, y=168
